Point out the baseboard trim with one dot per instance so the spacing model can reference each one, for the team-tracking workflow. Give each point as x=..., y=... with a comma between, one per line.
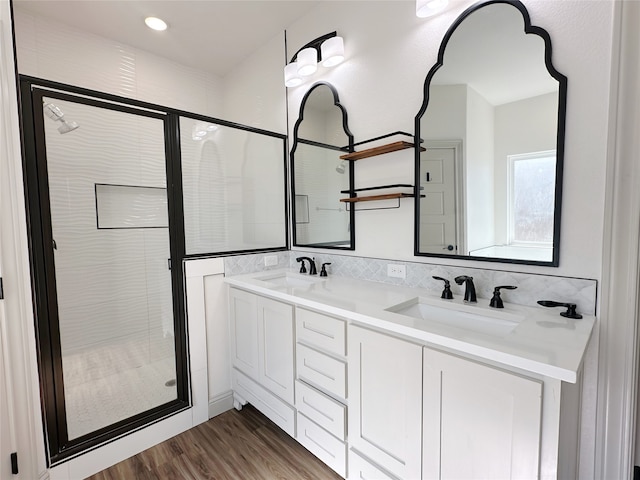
x=220, y=403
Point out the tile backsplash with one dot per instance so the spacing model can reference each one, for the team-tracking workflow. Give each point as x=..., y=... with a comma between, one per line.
x=531, y=287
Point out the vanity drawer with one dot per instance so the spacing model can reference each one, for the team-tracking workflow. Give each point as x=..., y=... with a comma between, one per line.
x=360, y=468
x=322, y=370
x=323, y=410
x=322, y=444
x=327, y=333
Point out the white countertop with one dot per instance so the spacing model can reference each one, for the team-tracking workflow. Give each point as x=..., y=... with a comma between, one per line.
x=542, y=342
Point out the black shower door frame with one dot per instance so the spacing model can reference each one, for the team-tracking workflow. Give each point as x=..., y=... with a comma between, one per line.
x=60, y=447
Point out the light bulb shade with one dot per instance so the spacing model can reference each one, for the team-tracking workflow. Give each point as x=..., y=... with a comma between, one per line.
x=332, y=51
x=291, y=77
x=307, y=61
x=429, y=8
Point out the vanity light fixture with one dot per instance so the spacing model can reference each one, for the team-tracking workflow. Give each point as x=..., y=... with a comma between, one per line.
x=332, y=52
x=155, y=23
x=291, y=77
x=200, y=130
x=307, y=61
x=329, y=48
x=429, y=8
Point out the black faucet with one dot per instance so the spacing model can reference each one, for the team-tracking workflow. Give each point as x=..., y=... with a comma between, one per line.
x=469, y=288
x=312, y=265
x=496, y=300
x=446, y=292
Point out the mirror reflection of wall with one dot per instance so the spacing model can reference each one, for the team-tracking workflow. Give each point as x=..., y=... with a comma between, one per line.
x=325, y=221
x=321, y=136
x=491, y=131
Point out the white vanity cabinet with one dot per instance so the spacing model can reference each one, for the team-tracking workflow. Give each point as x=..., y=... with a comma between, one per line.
x=416, y=412
x=321, y=387
x=262, y=355
x=385, y=404
x=479, y=421
x=374, y=396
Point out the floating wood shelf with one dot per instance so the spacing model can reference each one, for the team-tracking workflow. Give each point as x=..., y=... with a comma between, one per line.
x=372, y=152
x=370, y=198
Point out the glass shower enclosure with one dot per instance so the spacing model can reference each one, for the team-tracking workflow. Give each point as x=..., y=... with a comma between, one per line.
x=110, y=315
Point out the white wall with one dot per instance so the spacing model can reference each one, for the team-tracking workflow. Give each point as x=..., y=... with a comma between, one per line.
x=381, y=85
x=16, y=320
x=479, y=169
x=520, y=127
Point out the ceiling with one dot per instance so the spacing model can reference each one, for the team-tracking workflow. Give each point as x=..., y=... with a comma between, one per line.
x=212, y=35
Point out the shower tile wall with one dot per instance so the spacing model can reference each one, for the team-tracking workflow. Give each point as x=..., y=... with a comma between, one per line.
x=88, y=285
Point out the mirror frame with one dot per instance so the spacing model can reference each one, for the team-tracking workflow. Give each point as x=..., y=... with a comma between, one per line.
x=560, y=138
x=346, y=149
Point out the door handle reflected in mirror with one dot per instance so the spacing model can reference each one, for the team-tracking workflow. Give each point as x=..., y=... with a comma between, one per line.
x=448, y=247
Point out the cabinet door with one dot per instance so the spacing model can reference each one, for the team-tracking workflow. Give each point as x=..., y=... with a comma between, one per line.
x=243, y=316
x=479, y=421
x=275, y=334
x=385, y=401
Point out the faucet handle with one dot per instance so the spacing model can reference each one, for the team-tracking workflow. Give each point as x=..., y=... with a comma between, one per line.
x=303, y=268
x=446, y=293
x=323, y=270
x=496, y=300
x=571, y=308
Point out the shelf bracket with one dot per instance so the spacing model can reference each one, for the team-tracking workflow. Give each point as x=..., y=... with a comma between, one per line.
x=374, y=208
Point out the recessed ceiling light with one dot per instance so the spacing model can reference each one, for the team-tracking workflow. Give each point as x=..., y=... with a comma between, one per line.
x=155, y=23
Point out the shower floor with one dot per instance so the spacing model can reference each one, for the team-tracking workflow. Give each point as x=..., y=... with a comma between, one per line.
x=109, y=383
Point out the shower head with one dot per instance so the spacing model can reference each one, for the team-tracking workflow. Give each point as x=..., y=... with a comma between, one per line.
x=341, y=167
x=57, y=115
x=53, y=112
x=67, y=127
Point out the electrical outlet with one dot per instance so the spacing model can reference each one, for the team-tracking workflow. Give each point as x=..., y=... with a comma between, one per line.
x=270, y=260
x=398, y=271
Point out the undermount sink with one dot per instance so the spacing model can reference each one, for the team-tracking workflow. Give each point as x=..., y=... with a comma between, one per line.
x=458, y=315
x=289, y=279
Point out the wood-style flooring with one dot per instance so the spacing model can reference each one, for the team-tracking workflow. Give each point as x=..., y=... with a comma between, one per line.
x=236, y=445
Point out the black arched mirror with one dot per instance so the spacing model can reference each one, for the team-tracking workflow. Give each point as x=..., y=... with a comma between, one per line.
x=492, y=121
x=321, y=135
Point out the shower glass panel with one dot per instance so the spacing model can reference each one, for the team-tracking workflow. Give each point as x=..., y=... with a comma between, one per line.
x=233, y=188
x=108, y=201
